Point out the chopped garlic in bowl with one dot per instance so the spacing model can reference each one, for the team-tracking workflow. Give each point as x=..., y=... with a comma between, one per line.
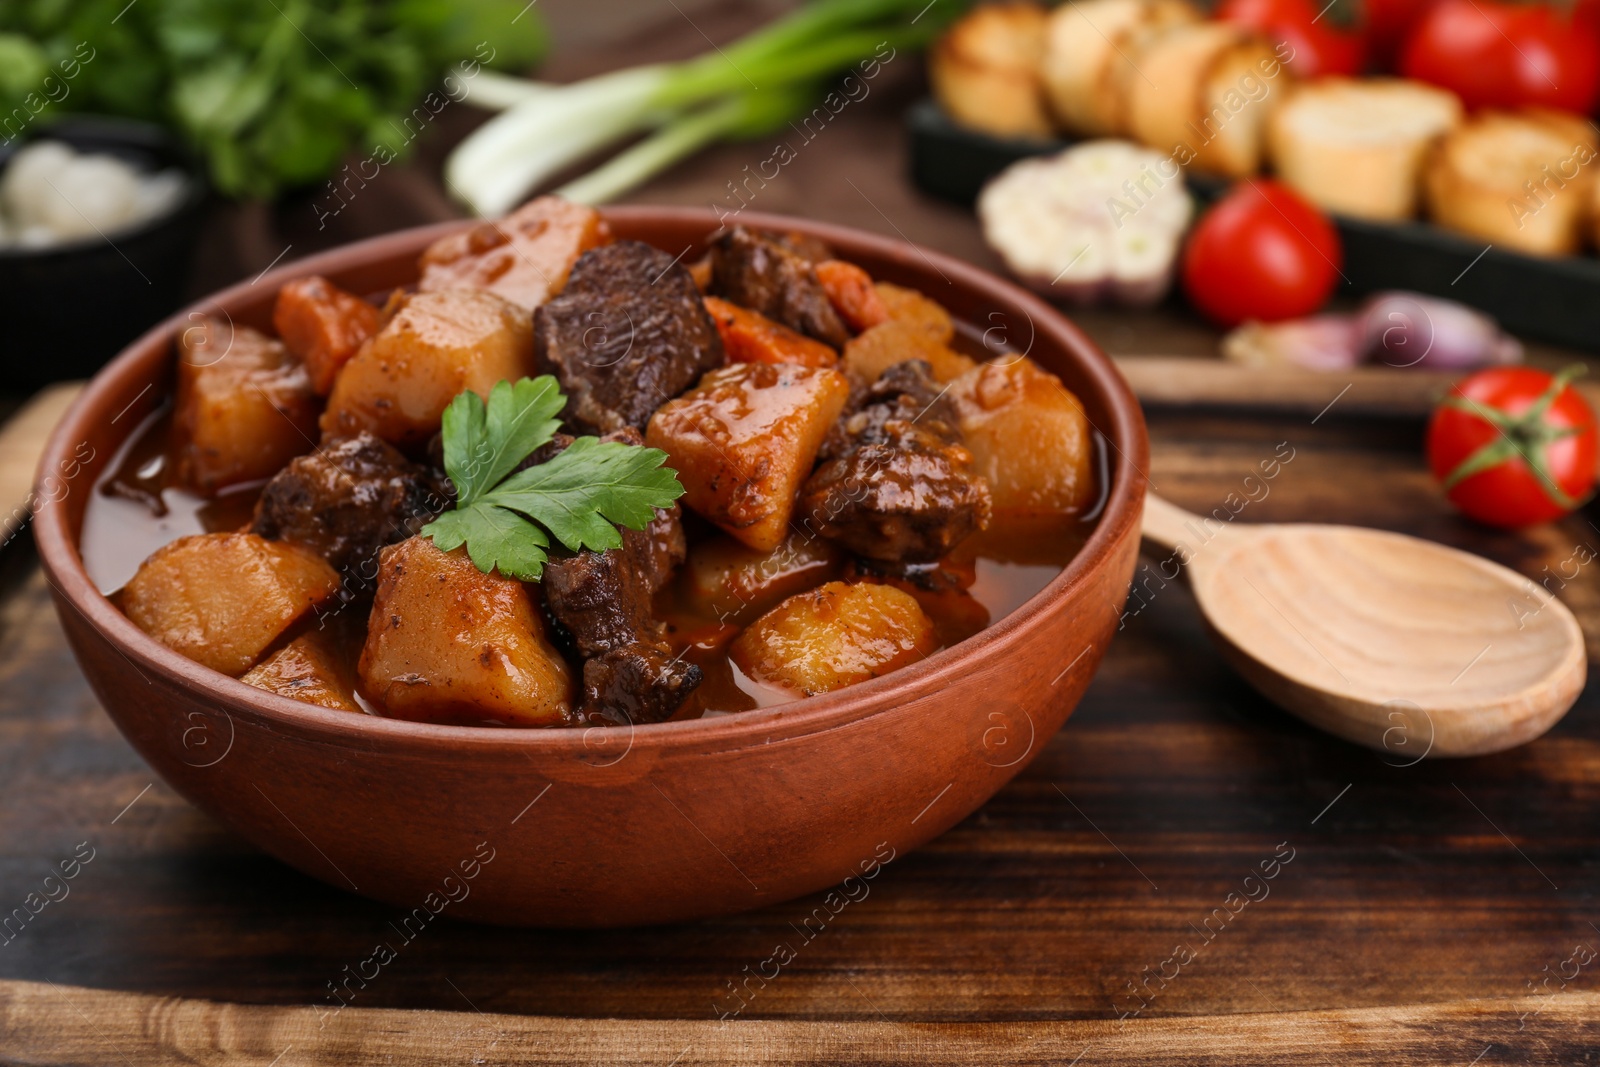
x=51, y=194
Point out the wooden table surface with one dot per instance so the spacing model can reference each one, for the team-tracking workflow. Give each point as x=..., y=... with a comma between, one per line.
x=1055, y=906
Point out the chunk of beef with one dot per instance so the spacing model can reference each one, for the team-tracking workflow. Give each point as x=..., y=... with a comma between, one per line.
x=933, y=576
x=895, y=483
x=603, y=598
x=814, y=249
x=603, y=602
x=658, y=550
x=767, y=275
x=643, y=682
x=906, y=392
x=346, y=501
x=907, y=497
x=628, y=333
x=911, y=383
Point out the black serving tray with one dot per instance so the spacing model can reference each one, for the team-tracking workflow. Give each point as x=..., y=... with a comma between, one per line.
x=1554, y=300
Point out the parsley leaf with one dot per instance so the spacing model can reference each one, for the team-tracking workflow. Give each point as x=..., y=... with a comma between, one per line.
x=579, y=497
x=496, y=540
x=580, y=493
x=482, y=446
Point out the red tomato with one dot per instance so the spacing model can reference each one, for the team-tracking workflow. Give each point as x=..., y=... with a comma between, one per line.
x=1494, y=54
x=1389, y=23
x=1317, y=45
x=1586, y=13
x=1261, y=253
x=1514, y=446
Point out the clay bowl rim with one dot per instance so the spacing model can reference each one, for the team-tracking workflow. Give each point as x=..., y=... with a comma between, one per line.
x=1125, y=435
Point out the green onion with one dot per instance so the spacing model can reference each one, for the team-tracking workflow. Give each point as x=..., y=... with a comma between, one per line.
x=494, y=91
x=744, y=116
x=747, y=88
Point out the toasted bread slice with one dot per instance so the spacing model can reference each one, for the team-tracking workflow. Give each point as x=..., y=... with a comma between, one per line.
x=1520, y=179
x=1204, y=95
x=985, y=70
x=1356, y=146
x=1089, y=57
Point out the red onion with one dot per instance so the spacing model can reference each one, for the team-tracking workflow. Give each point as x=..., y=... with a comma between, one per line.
x=1320, y=342
x=1395, y=329
x=1403, y=329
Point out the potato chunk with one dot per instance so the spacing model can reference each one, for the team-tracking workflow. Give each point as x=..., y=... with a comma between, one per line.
x=881, y=347
x=222, y=598
x=448, y=643
x=743, y=441
x=914, y=309
x=734, y=582
x=244, y=409
x=434, y=346
x=323, y=326
x=834, y=636
x=1028, y=436
x=524, y=257
x=314, y=668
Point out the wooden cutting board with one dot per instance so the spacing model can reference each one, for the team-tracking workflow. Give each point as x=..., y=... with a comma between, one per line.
x=42, y=1025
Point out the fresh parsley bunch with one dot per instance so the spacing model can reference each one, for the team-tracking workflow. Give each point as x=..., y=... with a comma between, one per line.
x=579, y=497
x=272, y=93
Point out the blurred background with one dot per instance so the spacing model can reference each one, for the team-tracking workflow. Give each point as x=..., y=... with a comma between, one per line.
x=253, y=135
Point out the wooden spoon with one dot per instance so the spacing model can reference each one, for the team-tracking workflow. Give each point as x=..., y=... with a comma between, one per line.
x=1389, y=641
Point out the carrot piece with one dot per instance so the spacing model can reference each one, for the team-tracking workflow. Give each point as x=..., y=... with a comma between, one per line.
x=700, y=270
x=851, y=293
x=750, y=337
x=322, y=326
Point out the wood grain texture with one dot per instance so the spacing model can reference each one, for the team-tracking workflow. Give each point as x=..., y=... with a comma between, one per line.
x=1383, y=392
x=43, y=1026
x=1415, y=885
x=21, y=441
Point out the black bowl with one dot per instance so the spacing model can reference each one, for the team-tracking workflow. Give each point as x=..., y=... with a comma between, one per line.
x=69, y=308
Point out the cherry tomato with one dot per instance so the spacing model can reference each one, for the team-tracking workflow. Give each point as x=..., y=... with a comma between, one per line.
x=1388, y=24
x=1261, y=253
x=1494, y=54
x=1514, y=446
x=1318, y=45
x=1586, y=13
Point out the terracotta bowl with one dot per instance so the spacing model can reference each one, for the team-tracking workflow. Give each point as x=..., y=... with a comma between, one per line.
x=608, y=827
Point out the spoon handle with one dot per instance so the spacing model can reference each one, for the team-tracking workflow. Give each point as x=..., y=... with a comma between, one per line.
x=1167, y=524
x=1171, y=527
